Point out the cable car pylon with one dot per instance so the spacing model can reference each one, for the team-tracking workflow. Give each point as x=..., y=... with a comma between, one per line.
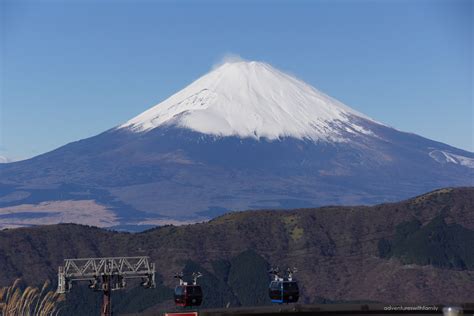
x=106, y=275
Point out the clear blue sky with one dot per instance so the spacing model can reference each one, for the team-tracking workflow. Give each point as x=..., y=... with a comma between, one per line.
x=72, y=69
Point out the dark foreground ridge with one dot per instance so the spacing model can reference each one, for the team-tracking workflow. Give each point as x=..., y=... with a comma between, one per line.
x=418, y=250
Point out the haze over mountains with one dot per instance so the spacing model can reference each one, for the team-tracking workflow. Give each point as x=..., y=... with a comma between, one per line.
x=244, y=136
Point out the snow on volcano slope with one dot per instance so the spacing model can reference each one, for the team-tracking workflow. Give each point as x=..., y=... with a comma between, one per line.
x=447, y=157
x=4, y=159
x=252, y=99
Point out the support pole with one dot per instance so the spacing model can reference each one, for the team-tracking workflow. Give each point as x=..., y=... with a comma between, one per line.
x=106, y=300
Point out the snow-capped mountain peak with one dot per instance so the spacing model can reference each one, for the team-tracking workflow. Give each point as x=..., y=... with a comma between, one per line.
x=252, y=99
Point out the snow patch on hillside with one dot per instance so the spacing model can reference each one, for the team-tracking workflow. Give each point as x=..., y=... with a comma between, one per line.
x=252, y=99
x=4, y=159
x=447, y=157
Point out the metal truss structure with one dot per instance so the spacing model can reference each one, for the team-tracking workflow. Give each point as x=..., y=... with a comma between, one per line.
x=106, y=274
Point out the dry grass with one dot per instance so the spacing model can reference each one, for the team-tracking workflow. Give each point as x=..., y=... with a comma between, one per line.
x=31, y=301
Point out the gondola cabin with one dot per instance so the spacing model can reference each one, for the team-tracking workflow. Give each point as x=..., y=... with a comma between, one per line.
x=188, y=295
x=284, y=291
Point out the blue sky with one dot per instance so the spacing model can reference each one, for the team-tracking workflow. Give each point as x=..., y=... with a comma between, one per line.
x=72, y=69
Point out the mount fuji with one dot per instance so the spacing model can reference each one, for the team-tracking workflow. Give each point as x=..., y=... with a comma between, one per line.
x=243, y=136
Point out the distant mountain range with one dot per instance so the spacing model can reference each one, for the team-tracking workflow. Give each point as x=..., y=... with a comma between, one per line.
x=419, y=250
x=244, y=136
